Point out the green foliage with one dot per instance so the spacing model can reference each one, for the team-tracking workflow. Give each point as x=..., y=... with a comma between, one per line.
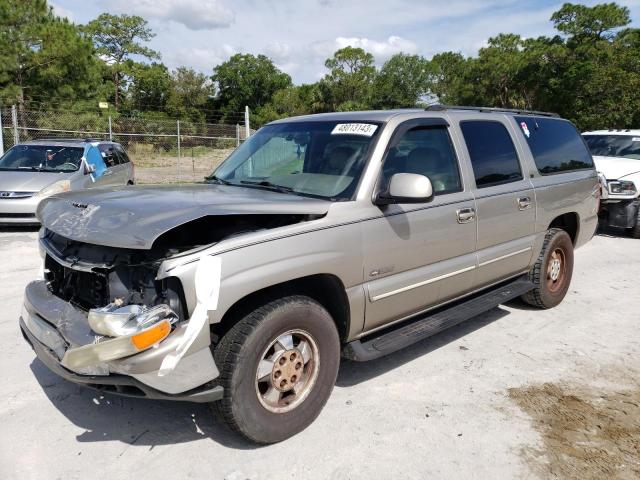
x=247, y=79
x=116, y=39
x=596, y=22
x=589, y=72
x=349, y=84
x=42, y=54
x=402, y=82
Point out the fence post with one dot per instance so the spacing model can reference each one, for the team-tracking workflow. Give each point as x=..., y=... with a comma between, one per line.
x=14, y=119
x=1, y=136
x=178, y=124
x=247, y=128
x=110, y=132
x=237, y=135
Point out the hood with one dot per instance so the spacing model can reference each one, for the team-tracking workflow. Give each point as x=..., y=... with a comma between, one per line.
x=615, y=168
x=134, y=217
x=28, y=180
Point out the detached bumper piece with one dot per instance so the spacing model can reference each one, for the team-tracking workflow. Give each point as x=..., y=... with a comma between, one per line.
x=115, y=383
x=621, y=214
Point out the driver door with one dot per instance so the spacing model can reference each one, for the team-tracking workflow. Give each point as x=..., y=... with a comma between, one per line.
x=419, y=255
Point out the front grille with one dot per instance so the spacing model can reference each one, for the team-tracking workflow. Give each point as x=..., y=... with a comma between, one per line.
x=84, y=289
x=17, y=215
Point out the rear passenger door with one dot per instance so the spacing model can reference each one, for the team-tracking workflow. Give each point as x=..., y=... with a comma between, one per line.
x=110, y=175
x=505, y=200
x=418, y=255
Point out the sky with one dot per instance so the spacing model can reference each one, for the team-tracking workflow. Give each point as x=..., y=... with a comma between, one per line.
x=299, y=35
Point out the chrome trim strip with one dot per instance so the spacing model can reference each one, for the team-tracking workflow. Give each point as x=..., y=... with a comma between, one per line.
x=497, y=259
x=420, y=284
x=364, y=333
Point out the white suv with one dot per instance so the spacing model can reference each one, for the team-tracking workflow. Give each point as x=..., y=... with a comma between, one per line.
x=616, y=154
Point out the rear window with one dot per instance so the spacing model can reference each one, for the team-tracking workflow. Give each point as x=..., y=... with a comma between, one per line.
x=555, y=144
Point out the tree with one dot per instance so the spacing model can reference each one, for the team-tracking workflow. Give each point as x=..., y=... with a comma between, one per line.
x=150, y=87
x=117, y=38
x=246, y=79
x=191, y=91
x=43, y=56
x=595, y=22
x=288, y=102
x=402, y=82
x=348, y=85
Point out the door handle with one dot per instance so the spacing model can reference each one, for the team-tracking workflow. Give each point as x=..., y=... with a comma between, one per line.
x=466, y=215
x=524, y=203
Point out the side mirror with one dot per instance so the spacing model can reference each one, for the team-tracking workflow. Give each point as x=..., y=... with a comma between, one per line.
x=406, y=188
x=89, y=168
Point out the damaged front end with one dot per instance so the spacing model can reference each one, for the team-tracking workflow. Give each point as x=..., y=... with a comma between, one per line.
x=100, y=316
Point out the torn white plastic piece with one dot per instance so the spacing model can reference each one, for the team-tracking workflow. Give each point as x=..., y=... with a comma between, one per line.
x=207, y=285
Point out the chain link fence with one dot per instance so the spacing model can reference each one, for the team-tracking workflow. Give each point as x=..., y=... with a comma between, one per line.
x=163, y=151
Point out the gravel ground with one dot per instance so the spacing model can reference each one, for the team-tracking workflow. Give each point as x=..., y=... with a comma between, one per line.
x=514, y=393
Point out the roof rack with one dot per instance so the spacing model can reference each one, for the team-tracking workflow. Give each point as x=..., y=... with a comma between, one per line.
x=440, y=108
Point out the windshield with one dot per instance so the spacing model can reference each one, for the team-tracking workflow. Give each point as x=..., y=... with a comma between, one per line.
x=625, y=146
x=42, y=158
x=317, y=159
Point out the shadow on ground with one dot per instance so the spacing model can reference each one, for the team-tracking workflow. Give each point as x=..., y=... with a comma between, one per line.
x=353, y=373
x=133, y=421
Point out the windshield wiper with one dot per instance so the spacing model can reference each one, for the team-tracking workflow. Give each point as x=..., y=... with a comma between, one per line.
x=214, y=179
x=268, y=185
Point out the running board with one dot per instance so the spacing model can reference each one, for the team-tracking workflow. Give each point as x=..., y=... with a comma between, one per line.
x=393, y=339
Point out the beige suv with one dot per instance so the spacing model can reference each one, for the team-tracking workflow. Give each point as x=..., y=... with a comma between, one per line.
x=352, y=234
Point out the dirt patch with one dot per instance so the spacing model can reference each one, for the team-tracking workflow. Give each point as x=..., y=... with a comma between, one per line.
x=587, y=434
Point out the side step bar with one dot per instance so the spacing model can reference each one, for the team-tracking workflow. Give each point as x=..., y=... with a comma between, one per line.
x=393, y=339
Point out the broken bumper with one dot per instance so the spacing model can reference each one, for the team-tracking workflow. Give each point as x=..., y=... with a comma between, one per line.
x=52, y=327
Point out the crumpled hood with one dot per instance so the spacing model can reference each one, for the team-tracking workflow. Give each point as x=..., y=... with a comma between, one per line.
x=135, y=216
x=28, y=180
x=616, y=168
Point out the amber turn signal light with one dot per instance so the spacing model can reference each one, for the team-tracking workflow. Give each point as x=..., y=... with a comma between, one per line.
x=151, y=336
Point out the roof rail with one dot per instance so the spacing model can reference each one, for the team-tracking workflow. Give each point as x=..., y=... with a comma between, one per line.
x=440, y=108
x=65, y=139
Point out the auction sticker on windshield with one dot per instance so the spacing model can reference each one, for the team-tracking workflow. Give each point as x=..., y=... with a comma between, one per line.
x=364, y=129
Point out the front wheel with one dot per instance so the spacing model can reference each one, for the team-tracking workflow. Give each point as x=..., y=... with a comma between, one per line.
x=552, y=272
x=278, y=366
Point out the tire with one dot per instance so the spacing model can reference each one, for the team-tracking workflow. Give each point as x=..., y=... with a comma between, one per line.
x=555, y=261
x=265, y=411
x=635, y=230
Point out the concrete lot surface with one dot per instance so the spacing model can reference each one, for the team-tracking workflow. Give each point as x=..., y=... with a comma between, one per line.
x=514, y=393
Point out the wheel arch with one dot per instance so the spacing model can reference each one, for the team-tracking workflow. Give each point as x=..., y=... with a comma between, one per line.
x=325, y=288
x=569, y=222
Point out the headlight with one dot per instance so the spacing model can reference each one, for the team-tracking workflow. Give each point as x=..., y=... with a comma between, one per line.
x=622, y=187
x=57, y=187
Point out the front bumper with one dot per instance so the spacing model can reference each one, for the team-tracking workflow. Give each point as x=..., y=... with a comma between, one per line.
x=51, y=326
x=19, y=211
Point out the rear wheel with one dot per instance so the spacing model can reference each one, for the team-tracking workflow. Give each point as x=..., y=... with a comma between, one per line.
x=278, y=366
x=552, y=272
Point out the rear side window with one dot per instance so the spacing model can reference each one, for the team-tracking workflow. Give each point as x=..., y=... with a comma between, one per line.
x=122, y=156
x=493, y=155
x=555, y=144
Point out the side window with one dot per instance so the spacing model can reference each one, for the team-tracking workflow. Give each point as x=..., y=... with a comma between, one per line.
x=108, y=155
x=555, y=144
x=122, y=155
x=427, y=151
x=492, y=153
